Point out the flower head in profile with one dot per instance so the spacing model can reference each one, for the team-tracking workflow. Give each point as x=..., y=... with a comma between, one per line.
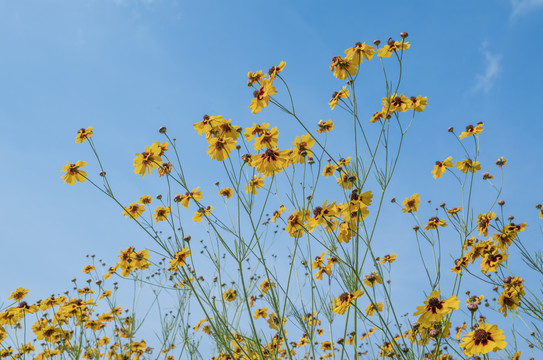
x=277, y=213
x=83, y=134
x=359, y=52
x=262, y=95
x=19, y=294
x=471, y=130
x=180, y=258
x=411, y=204
x=370, y=310
x=73, y=172
x=388, y=259
x=468, y=165
x=342, y=94
x=146, y=200
x=325, y=126
x=134, y=210
x=434, y=223
x=274, y=70
x=391, y=47
x=343, y=67
x=441, y=166
x=434, y=309
x=484, y=339
x=257, y=182
x=255, y=77
x=344, y=301
x=418, y=103
x=302, y=148
x=198, y=215
x=161, y=213
x=226, y=192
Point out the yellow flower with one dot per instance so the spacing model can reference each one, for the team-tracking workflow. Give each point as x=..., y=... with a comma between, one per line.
x=161, y=213
x=262, y=96
x=219, y=148
x=302, y=148
x=468, y=165
x=266, y=285
x=73, y=173
x=87, y=269
x=255, y=77
x=326, y=126
x=392, y=46
x=270, y=161
x=230, y=295
x=257, y=182
x=274, y=70
x=359, y=52
x=19, y=294
x=295, y=223
x=146, y=200
x=277, y=213
x=198, y=215
x=344, y=301
x=329, y=170
x=261, y=313
x=147, y=160
x=388, y=259
x=346, y=180
x=441, y=166
x=484, y=339
x=83, y=134
x=227, y=192
x=434, y=223
x=379, y=115
x=343, y=67
x=274, y=322
x=343, y=93
x=418, y=103
x=483, y=221
x=501, y=161
x=179, y=258
x=434, y=309
x=371, y=279
x=471, y=130
x=134, y=210
x=266, y=139
x=370, y=310
x=255, y=130
x=411, y=204
x=193, y=195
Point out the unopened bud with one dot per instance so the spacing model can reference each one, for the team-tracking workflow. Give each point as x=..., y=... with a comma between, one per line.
x=162, y=130
x=501, y=203
x=507, y=280
x=393, y=200
x=187, y=238
x=102, y=173
x=376, y=42
x=403, y=34
x=473, y=307
x=416, y=228
x=434, y=333
x=451, y=129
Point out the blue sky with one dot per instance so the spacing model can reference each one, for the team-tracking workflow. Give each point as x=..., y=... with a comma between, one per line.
x=127, y=67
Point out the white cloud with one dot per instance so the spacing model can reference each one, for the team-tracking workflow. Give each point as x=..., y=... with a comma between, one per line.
x=485, y=81
x=521, y=7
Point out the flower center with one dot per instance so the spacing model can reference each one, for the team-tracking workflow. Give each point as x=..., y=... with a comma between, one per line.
x=433, y=302
x=480, y=335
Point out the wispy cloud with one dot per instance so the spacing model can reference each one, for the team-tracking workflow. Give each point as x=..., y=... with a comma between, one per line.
x=522, y=7
x=485, y=80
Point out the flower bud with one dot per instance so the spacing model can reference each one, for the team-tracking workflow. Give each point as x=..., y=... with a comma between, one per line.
x=393, y=200
x=473, y=307
x=159, y=196
x=376, y=42
x=450, y=129
x=403, y=34
x=187, y=238
x=102, y=173
x=433, y=333
x=501, y=203
x=162, y=130
x=416, y=228
x=507, y=280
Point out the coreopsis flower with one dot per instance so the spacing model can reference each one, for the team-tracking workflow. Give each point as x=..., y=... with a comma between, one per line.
x=83, y=134
x=134, y=210
x=19, y=294
x=261, y=313
x=454, y=211
x=274, y=322
x=399, y=103
x=418, y=103
x=266, y=139
x=257, y=182
x=147, y=160
x=411, y=204
x=199, y=324
x=388, y=259
x=180, y=258
x=434, y=223
x=326, y=126
x=185, y=199
x=271, y=161
x=483, y=221
x=441, y=166
x=219, y=148
x=226, y=192
x=329, y=170
x=359, y=52
x=343, y=93
x=327, y=346
x=274, y=70
x=501, y=161
x=87, y=269
x=346, y=180
x=255, y=130
x=166, y=168
x=491, y=261
x=226, y=130
x=146, y=200
x=277, y=213
x=343, y=67
x=323, y=215
x=484, y=339
x=161, y=213
x=378, y=115
x=198, y=215
x=344, y=301
x=74, y=173
x=262, y=96
x=266, y=285
x=508, y=300
x=255, y=77
x=370, y=310
x=302, y=148
x=391, y=47
x=434, y=309
x=295, y=223
x=471, y=130
x=230, y=295
x=372, y=279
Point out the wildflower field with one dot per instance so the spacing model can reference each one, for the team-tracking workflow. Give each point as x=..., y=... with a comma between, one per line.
x=278, y=235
